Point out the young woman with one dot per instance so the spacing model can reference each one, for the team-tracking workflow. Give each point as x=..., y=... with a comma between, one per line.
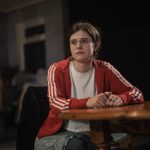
x=81, y=81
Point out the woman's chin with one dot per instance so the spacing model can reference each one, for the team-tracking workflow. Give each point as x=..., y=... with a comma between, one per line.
x=81, y=60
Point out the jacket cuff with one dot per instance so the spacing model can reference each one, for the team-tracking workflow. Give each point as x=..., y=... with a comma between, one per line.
x=124, y=98
x=78, y=103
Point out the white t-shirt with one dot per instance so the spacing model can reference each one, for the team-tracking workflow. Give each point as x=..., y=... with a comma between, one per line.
x=82, y=86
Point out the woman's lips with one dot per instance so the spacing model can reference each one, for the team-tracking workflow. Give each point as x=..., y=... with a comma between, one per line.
x=79, y=53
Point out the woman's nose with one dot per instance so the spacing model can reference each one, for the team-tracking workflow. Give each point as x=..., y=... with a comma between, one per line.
x=78, y=44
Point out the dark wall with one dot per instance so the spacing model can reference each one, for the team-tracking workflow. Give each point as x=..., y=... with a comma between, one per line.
x=125, y=30
x=3, y=41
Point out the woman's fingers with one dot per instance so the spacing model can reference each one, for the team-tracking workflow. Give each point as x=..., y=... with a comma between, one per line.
x=107, y=99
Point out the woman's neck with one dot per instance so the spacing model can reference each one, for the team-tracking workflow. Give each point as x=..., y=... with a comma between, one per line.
x=82, y=67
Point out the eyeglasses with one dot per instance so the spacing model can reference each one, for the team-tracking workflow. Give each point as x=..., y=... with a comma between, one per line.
x=83, y=41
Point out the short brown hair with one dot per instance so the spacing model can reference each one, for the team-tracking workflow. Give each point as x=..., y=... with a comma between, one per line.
x=93, y=32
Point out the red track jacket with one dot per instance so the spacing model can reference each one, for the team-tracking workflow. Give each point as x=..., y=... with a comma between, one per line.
x=107, y=78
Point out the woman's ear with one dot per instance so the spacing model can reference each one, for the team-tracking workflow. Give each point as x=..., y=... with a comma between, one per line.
x=97, y=45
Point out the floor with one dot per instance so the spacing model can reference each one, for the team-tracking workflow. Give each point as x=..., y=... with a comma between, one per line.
x=137, y=140
x=141, y=142
x=11, y=145
x=8, y=138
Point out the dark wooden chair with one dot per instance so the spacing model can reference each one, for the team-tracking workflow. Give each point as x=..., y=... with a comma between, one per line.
x=34, y=111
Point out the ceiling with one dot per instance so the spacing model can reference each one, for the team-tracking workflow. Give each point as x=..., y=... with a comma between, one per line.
x=7, y=6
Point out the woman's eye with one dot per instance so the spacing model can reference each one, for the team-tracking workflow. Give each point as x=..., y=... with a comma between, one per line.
x=73, y=42
x=84, y=41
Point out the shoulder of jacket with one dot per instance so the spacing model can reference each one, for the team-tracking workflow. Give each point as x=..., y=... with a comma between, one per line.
x=61, y=65
x=102, y=64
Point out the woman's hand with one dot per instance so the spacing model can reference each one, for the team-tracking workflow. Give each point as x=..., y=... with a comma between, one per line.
x=114, y=100
x=98, y=101
x=102, y=100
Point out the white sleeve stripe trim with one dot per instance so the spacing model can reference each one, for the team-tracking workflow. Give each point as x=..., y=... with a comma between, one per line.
x=55, y=91
x=60, y=104
x=53, y=98
x=61, y=108
x=137, y=98
x=117, y=73
x=135, y=92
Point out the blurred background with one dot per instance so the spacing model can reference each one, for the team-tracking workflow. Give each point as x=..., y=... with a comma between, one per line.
x=33, y=35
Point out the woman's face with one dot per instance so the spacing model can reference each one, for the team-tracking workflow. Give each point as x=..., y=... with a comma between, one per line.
x=81, y=46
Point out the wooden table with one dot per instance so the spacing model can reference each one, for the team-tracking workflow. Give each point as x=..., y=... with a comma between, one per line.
x=99, y=119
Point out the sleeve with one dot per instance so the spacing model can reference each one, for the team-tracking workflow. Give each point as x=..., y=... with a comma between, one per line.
x=56, y=91
x=121, y=87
